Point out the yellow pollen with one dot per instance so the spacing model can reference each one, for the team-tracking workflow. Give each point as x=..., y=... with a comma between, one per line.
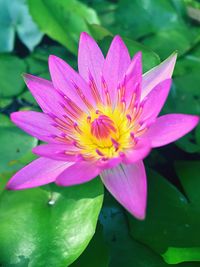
x=106, y=132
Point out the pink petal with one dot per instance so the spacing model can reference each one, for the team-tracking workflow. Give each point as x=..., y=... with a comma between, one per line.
x=80, y=172
x=139, y=152
x=155, y=100
x=64, y=152
x=70, y=83
x=46, y=95
x=36, y=124
x=39, y=172
x=115, y=65
x=158, y=74
x=169, y=128
x=133, y=77
x=127, y=183
x=90, y=59
x=109, y=163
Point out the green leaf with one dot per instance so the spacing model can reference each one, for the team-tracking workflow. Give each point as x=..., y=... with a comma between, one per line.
x=63, y=21
x=167, y=41
x=98, y=32
x=188, y=143
x=96, y=252
x=159, y=24
x=11, y=82
x=15, y=145
x=176, y=255
x=197, y=135
x=188, y=172
x=171, y=222
x=38, y=60
x=139, y=18
x=15, y=17
x=28, y=98
x=4, y=177
x=5, y=102
x=124, y=250
x=149, y=58
x=4, y=121
x=48, y=226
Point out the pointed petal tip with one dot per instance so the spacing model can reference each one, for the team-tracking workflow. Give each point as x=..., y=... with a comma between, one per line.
x=37, y=173
x=196, y=120
x=173, y=57
x=157, y=74
x=28, y=78
x=169, y=128
x=118, y=39
x=86, y=40
x=25, y=76
x=58, y=183
x=52, y=59
x=139, y=55
x=14, y=116
x=192, y=120
x=127, y=183
x=175, y=54
x=10, y=187
x=141, y=215
x=84, y=35
x=34, y=150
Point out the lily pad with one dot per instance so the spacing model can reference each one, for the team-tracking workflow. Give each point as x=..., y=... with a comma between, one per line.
x=96, y=252
x=124, y=249
x=172, y=220
x=11, y=69
x=15, y=146
x=48, y=226
x=15, y=18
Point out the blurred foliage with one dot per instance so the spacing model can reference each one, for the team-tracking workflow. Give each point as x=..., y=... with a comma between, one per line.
x=15, y=18
x=62, y=21
x=51, y=226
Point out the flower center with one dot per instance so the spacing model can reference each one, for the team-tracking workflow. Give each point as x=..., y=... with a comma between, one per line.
x=102, y=127
x=106, y=133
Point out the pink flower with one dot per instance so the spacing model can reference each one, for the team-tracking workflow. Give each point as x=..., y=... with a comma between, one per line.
x=102, y=121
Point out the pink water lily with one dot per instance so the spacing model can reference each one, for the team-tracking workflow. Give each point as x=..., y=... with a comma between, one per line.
x=100, y=121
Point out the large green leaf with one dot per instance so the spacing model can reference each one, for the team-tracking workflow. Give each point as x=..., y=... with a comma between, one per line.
x=4, y=102
x=188, y=172
x=38, y=60
x=11, y=82
x=5, y=120
x=15, y=148
x=62, y=21
x=48, y=226
x=15, y=17
x=140, y=18
x=160, y=24
x=167, y=41
x=124, y=250
x=172, y=222
x=96, y=254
